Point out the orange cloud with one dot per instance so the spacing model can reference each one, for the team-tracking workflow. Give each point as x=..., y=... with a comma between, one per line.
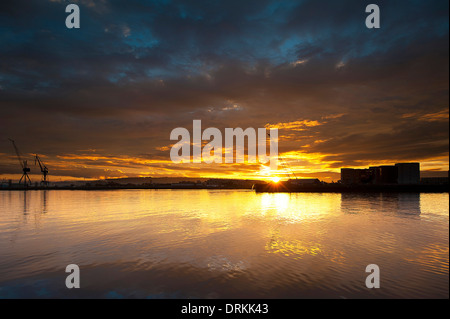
x=440, y=116
x=299, y=125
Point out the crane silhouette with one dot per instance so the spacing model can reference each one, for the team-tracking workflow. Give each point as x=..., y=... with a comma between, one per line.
x=23, y=163
x=44, y=169
x=287, y=168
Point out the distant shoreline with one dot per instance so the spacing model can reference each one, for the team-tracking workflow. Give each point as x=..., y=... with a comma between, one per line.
x=94, y=188
x=262, y=188
x=339, y=188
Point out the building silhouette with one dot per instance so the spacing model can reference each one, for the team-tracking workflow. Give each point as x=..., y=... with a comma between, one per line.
x=408, y=173
x=400, y=173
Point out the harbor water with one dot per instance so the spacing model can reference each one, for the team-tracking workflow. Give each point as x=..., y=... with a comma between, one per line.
x=222, y=244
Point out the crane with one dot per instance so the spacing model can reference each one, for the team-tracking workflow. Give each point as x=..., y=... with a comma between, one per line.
x=23, y=163
x=285, y=164
x=44, y=169
x=287, y=167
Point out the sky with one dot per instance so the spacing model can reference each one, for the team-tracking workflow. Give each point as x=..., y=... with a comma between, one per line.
x=100, y=101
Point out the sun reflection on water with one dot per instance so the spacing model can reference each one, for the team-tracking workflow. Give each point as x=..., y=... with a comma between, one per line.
x=213, y=237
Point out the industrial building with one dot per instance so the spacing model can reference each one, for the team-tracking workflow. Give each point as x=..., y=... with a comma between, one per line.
x=408, y=173
x=386, y=175
x=351, y=176
x=400, y=173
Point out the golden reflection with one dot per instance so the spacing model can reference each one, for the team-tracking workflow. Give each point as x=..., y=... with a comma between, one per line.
x=433, y=257
x=277, y=202
x=295, y=207
x=289, y=245
x=299, y=231
x=294, y=248
x=266, y=238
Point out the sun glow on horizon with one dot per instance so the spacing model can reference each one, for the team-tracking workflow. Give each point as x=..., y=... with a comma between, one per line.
x=275, y=179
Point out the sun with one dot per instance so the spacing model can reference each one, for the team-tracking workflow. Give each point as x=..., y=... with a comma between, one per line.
x=275, y=179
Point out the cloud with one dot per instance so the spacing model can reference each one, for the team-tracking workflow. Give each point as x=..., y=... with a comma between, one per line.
x=136, y=70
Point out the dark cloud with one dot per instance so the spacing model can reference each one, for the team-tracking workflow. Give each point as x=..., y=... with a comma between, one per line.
x=137, y=69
